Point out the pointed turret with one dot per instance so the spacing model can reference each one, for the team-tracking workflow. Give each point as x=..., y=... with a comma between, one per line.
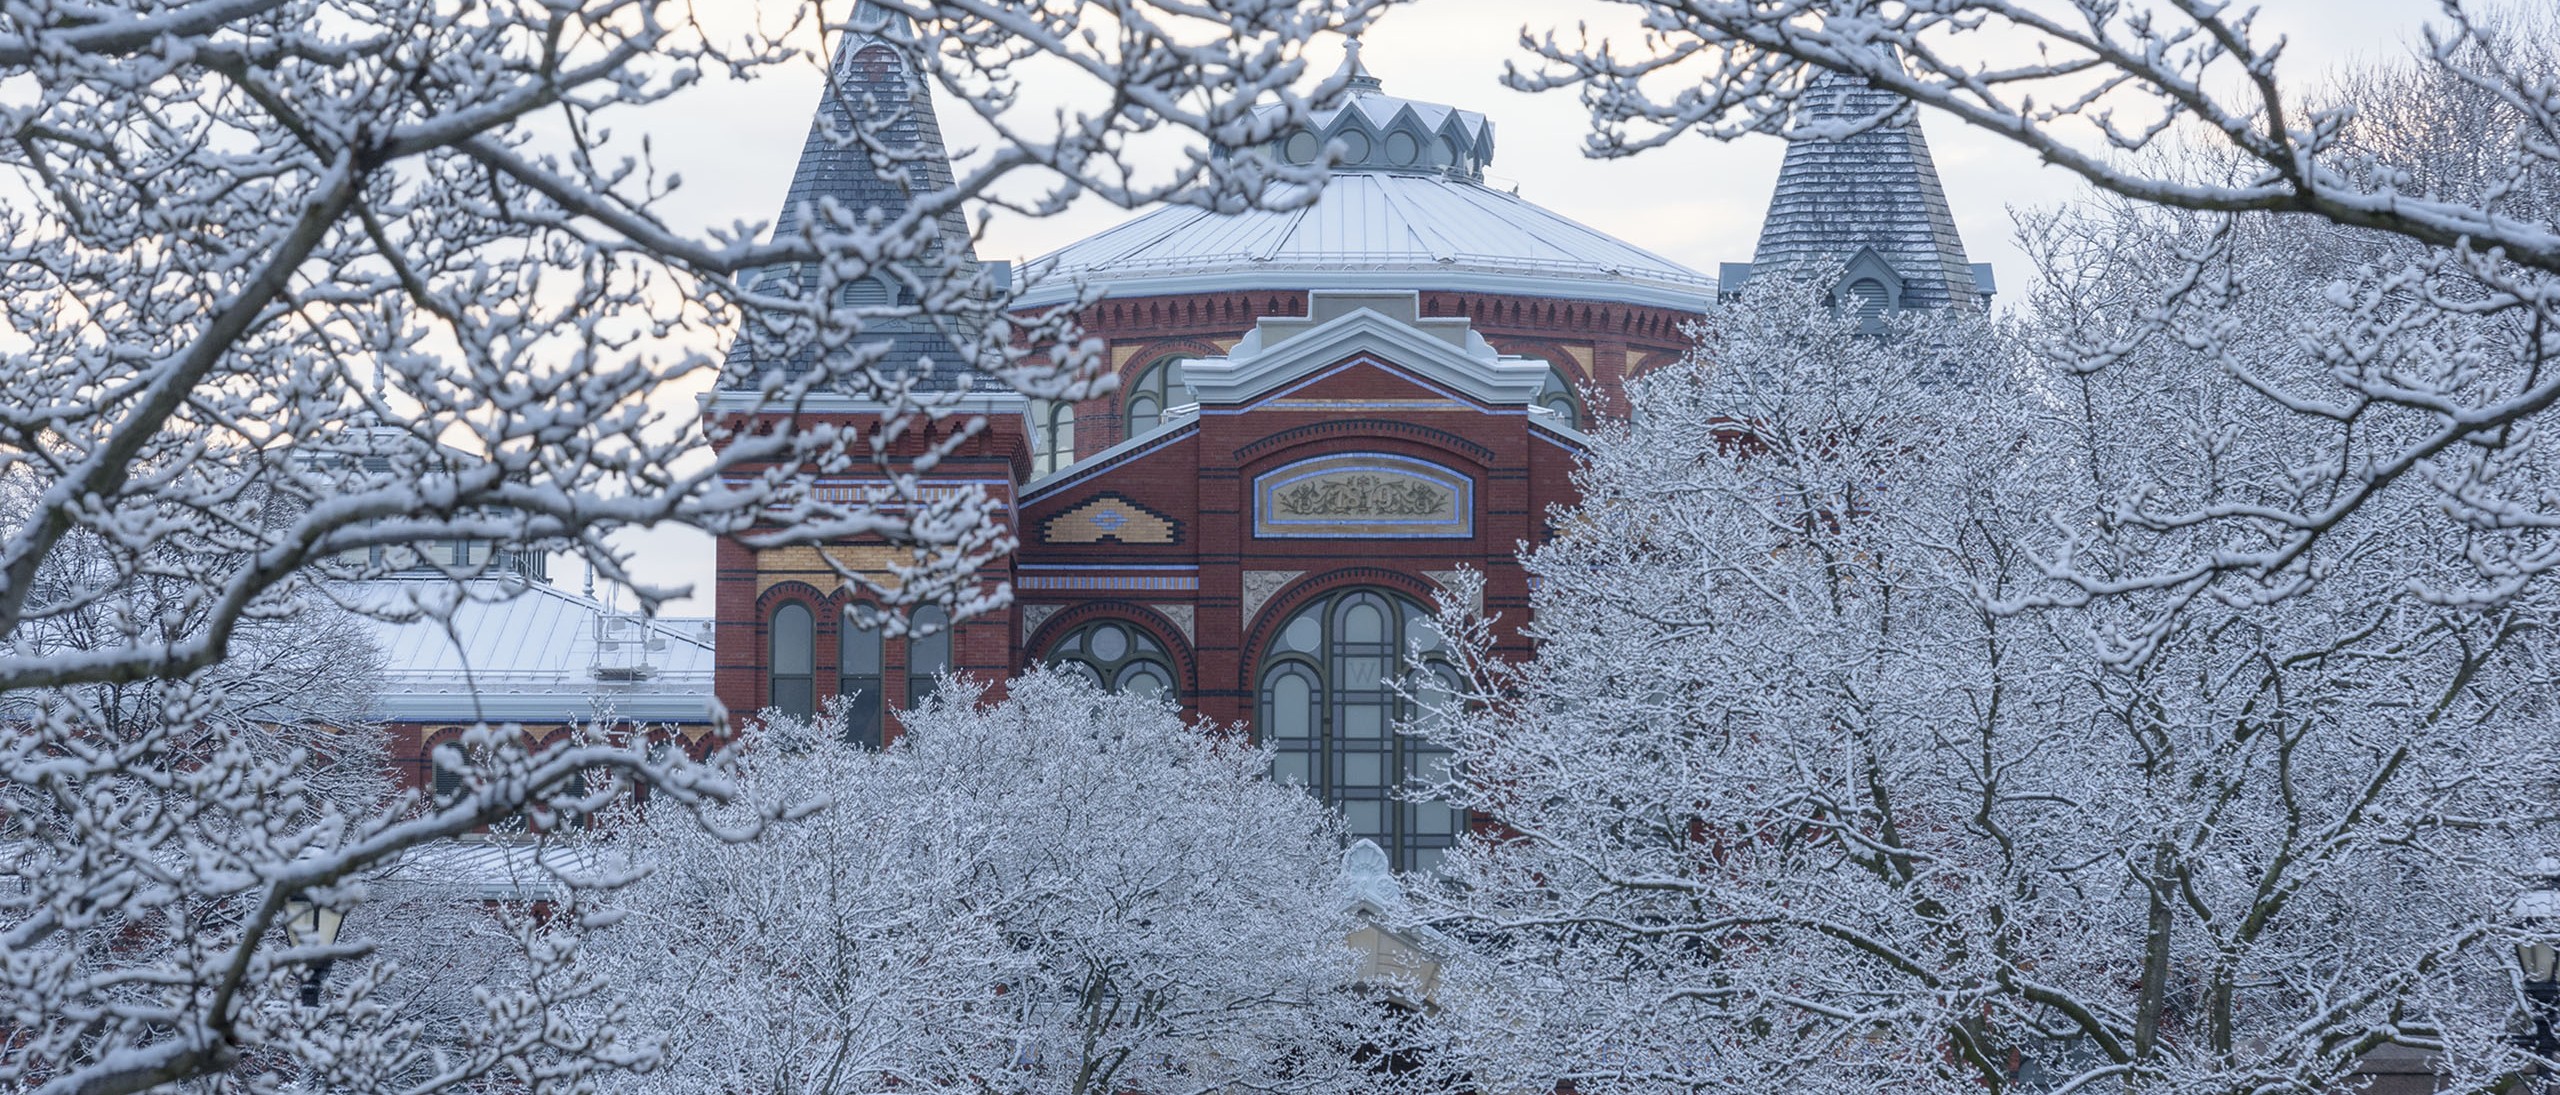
x=1860, y=194
x=872, y=88
x=872, y=85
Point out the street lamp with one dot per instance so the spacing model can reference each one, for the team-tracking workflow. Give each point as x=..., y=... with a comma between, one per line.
x=2537, y=916
x=310, y=923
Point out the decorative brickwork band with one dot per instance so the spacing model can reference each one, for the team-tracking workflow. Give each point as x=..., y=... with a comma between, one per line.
x=1159, y=583
x=1111, y=517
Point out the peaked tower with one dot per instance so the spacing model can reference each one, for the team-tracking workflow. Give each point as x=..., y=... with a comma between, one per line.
x=873, y=89
x=1859, y=194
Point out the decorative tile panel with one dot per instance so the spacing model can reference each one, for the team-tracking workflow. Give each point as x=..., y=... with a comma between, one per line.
x=1035, y=615
x=1111, y=517
x=1363, y=496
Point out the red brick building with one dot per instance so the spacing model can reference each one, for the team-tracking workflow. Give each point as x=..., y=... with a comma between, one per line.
x=1321, y=415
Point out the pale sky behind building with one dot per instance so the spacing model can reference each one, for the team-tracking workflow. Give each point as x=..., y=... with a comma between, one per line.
x=1697, y=201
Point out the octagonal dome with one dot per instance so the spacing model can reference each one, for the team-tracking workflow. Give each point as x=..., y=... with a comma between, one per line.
x=1406, y=209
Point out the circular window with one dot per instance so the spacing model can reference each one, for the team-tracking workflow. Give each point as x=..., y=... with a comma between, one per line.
x=1355, y=146
x=1403, y=150
x=1302, y=147
x=1116, y=657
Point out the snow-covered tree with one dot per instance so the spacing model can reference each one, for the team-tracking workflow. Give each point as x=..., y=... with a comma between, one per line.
x=291, y=286
x=2129, y=96
x=1064, y=891
x=1819, y=780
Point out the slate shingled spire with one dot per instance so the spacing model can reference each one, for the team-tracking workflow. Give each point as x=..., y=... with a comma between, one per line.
x=874, y=87
x=1866, y=200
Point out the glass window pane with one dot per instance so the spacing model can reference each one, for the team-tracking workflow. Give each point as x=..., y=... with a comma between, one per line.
x=861, y=649
x=1143, y=679
x=1086, y=671
x=1363, y=622
x=929, y=654
x=1361, y=770
x=794, y=653
x=1303, y=634
x=1361, y=674
x=1144, y=412
x=862, y=711
x=1363, y=720
x=1367, y=819
x=796, y=696
x=1432, y=818
x=1427, y=860
x=1109, y=643
x=1293, y=705
x=1293, y=768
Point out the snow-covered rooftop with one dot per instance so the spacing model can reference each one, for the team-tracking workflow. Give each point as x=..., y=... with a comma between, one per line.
x=514, y=651
x=1404, y=210
x=1381, y=229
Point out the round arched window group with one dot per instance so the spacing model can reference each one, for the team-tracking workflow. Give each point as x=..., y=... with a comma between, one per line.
x=1116, y=657
x=862, y=676
x=1328, y=706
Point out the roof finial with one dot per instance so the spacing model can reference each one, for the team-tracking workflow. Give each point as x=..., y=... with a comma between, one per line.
x=1359, y=78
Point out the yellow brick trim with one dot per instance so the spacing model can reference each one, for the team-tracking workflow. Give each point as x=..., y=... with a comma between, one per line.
x=810, y=565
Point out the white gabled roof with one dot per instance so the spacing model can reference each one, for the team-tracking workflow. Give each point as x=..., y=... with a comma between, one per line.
x=507, y=650
x=1375, y=229
x=1445, y=350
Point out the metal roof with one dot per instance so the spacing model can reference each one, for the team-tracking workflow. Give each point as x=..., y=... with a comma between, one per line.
x=506, y=650
x=1425, y=230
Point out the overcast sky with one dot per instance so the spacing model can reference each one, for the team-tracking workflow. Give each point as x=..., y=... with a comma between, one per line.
x=1696, y=202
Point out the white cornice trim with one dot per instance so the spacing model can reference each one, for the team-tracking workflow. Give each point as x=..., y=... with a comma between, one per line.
x=1299, y=279
x=1260, y=370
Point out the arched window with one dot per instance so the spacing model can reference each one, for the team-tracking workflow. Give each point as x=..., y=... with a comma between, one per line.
x=1328, y=709
x=1558, y=399
x=794, y=651
x=1116, y=657
x=928, y=650
x=1157, y=390
x=1053, y=435
x=1866, y=298
x=860, y=680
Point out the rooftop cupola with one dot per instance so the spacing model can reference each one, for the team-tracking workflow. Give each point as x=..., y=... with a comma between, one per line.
x=1379, y=132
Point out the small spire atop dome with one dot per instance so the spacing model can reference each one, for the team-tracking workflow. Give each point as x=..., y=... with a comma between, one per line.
x=1359, y=79
x=1375, y=131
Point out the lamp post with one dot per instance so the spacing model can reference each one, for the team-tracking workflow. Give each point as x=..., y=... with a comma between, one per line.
x=309, y=923
x=2537, y=917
